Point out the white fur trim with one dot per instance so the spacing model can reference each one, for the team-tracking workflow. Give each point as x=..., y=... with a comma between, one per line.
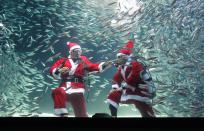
x=54, y=75
x=135, y=97
x=68, y=84
x=64, y=88
x=78, y=90
x=130, y=87
x=115, y=86
x=112, y=103
x=119, y=54
x=69, y=90
x=75, y=47
x=123, y=72
x=100, y=66
x=60, y=111
x=74, y=67
x=127, y=63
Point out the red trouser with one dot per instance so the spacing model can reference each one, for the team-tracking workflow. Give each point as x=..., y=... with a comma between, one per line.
x=145, y=109
x=77, y=100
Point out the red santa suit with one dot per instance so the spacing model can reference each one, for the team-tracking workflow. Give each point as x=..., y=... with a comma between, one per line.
x=72, y=83
x=130, y=74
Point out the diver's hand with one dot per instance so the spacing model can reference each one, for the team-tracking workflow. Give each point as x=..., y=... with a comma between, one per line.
x=64, y=70
x=107, y=65
x=149, y=94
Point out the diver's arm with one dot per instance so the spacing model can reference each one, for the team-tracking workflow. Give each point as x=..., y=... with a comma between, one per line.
x=55, y=68
x=100, y=67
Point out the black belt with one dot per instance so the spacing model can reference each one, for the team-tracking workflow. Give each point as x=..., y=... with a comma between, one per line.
x=76, y=79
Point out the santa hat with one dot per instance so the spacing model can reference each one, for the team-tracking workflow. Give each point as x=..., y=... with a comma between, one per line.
x=127, y=49
x=73, y=46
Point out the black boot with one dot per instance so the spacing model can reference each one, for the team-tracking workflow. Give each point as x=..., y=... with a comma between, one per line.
x=113, y=110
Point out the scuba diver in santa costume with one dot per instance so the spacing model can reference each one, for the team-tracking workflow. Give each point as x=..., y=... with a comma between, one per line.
x=138, y=88
x=71, y=71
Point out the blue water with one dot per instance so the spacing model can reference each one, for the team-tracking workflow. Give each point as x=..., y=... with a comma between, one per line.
x=170, y=31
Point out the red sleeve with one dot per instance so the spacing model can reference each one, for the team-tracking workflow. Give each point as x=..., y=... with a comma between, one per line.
x=89, y=66
x=135, y=72
x=53, y=68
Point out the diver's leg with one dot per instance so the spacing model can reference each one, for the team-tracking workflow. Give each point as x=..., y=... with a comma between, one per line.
x=113, y=101
x=113, y=110
x=145, y=109
x=59, y=97
x=79, y=105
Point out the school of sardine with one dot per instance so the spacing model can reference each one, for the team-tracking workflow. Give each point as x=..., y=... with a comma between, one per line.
x=169, y=40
